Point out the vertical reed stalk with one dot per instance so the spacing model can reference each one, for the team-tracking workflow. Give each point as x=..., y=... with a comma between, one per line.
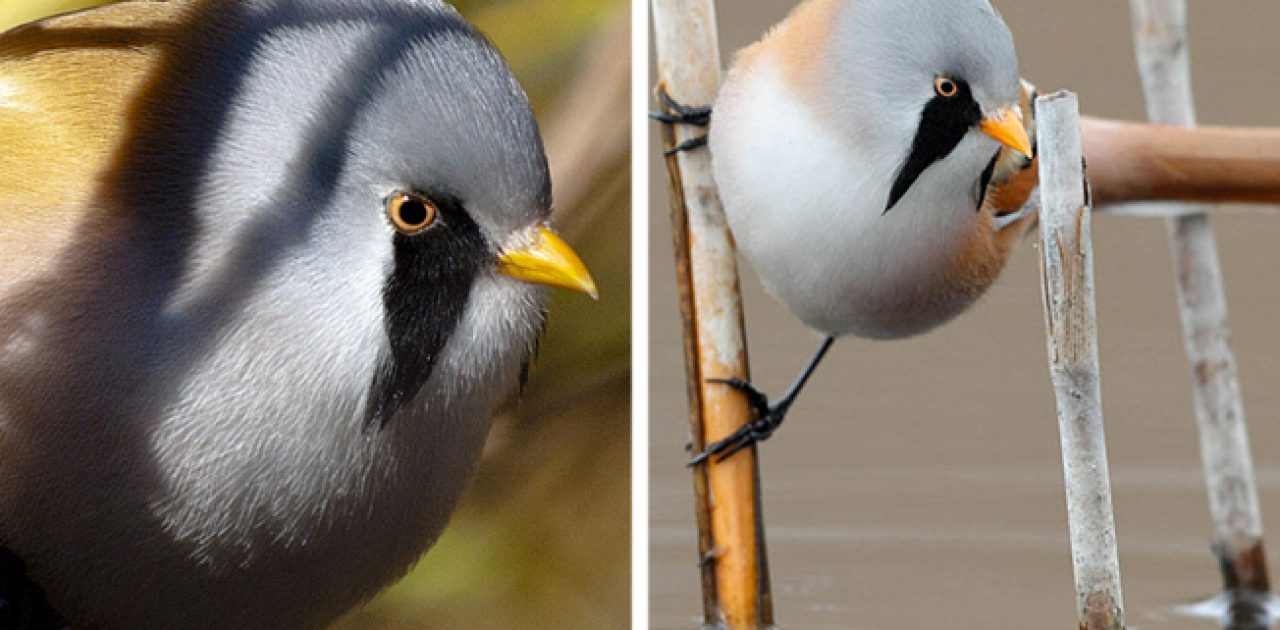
x=735, y=579
x=1160, y=38
x=1070, y=314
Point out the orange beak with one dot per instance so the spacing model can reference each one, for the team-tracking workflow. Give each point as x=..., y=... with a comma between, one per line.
x=549, y=261
x=1005, y=127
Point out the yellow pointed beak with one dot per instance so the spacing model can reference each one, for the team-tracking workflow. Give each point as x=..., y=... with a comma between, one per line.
x=550, y=261
x=1005, y=128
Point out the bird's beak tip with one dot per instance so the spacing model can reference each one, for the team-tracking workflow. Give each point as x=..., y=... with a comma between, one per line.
x=548, y=261
x=1006, y=128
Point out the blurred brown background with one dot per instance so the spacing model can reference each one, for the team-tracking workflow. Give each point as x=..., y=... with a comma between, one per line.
x=917, y=483
x=541, y=540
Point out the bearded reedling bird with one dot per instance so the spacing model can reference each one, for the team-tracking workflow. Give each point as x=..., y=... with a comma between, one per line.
x=873, y=165
x=266, y=270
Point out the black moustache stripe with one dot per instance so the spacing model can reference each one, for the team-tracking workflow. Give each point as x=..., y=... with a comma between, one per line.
x=424, y=297
x=943, y=123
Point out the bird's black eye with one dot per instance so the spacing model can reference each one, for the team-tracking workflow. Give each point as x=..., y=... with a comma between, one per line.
x=945, y=87
x=410, y=213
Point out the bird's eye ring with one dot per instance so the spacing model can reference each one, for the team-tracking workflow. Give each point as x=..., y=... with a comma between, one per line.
x=945, y=87
x=410, y=213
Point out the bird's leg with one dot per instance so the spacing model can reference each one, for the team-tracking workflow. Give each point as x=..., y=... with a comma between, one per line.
x=674, y=113
x=767, y=417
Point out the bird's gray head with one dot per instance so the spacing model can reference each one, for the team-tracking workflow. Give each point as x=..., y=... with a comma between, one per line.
x=377, y=163
x=929, y=72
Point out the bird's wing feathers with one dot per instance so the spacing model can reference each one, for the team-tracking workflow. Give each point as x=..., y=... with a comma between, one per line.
x=66, y=88
x=798, y=45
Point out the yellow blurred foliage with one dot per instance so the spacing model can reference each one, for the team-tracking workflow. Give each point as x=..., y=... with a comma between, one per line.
x=15, y=12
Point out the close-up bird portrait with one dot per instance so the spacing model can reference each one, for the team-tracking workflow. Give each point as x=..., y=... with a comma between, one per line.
x=883, y=213
x=293, y=292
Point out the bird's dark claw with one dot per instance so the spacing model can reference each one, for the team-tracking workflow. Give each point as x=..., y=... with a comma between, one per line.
x=674, y=113
x=766, y=419
x=758, y=400
x=687, y=145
